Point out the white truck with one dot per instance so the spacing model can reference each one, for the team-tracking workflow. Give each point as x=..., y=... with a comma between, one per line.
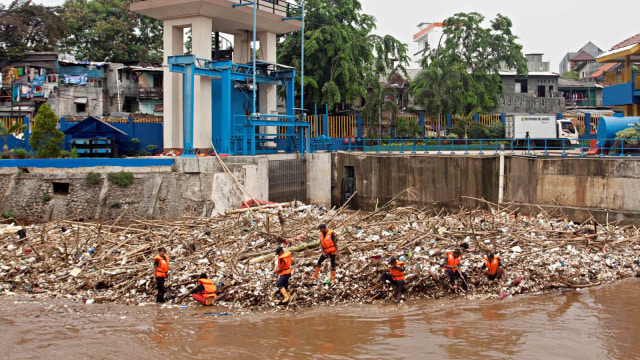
x=534, y=129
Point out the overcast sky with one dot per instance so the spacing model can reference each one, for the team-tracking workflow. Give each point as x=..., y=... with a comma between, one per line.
x=551, y=27
x=543, y=26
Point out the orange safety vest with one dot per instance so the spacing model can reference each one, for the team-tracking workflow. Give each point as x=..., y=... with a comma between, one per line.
x=284, y=263
x=452, y=261
x=209, y=288
x=328, y=246
x=493, y=265
x=395, y=273
x=163, y=266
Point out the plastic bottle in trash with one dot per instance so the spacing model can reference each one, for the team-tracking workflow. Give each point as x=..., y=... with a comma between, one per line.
x=562, y=263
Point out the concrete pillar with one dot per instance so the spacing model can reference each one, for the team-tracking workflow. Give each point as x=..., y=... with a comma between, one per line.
x=319, y=178
x=172, y=98
x=201, y=28
x=268, y=95
x=242, y=47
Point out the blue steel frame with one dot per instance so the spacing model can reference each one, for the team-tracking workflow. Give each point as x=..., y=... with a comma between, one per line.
x=236, y=129
x=228, y=72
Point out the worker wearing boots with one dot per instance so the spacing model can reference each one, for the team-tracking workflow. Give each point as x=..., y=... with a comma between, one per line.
x=283, y=268
x=395, y=276
x=329, y=245
x=161, y=266
x=451, y=266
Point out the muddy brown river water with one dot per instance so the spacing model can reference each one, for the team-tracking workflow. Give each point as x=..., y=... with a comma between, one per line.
x=596, y=323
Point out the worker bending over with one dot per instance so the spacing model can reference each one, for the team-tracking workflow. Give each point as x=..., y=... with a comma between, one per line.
x=205, y=291
x=395, y=276
x=329, y=245
x=451, y=266
x=283, y=268
x=493, y=267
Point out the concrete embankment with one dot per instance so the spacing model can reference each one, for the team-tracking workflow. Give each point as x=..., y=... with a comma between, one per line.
x=576, y=187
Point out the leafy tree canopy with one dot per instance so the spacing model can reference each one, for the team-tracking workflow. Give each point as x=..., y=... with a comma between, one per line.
x=573, y=75
x=477, y=54
x=105, y=30
x=46, y=139
x=25, y=26
x=340, y=52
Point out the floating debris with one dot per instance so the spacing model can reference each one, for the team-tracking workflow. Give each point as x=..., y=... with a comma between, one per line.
x=97, y=263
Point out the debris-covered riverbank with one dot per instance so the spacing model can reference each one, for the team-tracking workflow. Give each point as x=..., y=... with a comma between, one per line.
x=113, y=262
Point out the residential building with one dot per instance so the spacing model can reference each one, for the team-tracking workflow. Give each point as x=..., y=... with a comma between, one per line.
x=622, y=83
x=78, y=89
x=429, y=36
x=537, y=92
x=580, y=92
x=579, y=59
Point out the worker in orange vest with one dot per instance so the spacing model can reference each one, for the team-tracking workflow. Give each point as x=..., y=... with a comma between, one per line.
x=161, y=266
x=395, y=275
x=329, y=245
x=283, y=268
x=494, y=270
x=451, y=266
x=205, y=291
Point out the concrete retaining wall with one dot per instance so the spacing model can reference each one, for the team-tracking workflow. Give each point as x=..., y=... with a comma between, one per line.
x=439, y=181
x=191, y=187
x=577, y=188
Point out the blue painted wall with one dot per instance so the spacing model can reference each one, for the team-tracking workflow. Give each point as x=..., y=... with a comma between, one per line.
x=619, y=95
x=13, y=143
x=86, y=162
x=148, y=134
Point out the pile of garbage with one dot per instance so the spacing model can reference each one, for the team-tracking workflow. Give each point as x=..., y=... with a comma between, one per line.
x=100, y=262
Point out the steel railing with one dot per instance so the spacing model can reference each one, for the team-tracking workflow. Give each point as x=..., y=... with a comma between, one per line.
x=537, y=147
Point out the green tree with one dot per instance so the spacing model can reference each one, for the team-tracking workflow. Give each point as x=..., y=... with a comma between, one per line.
x=25, y=26
x=46, y=139
x=375, y=103
x=5, y=131
x=105, y=30
x=437, y=90
x=467, y=122
x=340, y=52
x=481, y=52
x=572, y=75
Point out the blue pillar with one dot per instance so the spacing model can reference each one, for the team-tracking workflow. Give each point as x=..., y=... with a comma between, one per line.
x=503, y=117
x=421, y=122
x=325, y=125
x=27, y=132
x=476, y=118
x=225, y=113
x=187, y=110
x=448, y=116
x=559, y=116
x=291, y=102
x=587, y=124
x=359, y=124
x=301, y=139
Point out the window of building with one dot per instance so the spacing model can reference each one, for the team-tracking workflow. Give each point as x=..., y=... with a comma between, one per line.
x=521, y=86
x=81, y=107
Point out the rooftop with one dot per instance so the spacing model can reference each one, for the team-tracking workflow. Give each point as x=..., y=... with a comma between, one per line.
x=225, y=17
x=583, y=56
